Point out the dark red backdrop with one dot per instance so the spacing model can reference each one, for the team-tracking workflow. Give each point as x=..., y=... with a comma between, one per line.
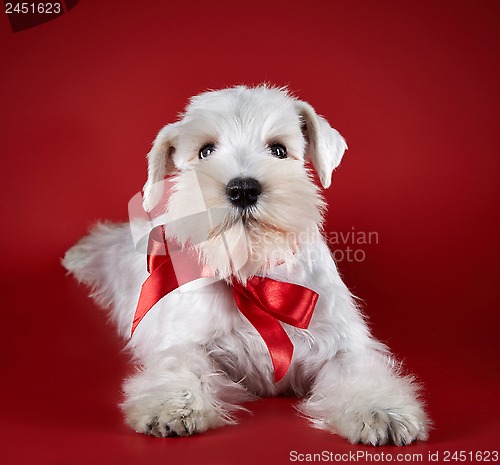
x=414, y=89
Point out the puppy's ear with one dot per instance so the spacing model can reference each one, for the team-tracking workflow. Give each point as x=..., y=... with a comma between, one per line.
x=160, y=163
x=325, y=146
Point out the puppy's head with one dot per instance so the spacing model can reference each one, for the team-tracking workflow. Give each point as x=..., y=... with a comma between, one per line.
x=243, y=196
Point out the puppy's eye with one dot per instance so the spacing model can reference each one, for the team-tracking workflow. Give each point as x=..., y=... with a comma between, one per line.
x=205, y=151
x=278, y=150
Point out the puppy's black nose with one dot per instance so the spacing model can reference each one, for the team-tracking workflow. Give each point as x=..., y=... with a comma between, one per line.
x=243, y=192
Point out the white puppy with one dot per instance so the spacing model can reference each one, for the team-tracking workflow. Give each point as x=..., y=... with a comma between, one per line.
x=242, y=198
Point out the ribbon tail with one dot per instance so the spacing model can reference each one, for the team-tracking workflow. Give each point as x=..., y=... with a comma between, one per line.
x=160, y=282
x=277, y=341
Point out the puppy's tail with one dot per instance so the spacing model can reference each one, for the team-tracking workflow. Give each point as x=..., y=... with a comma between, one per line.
x=93, y=260
x=107, y=261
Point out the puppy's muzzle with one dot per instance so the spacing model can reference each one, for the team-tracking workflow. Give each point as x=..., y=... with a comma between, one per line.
x=243, y=192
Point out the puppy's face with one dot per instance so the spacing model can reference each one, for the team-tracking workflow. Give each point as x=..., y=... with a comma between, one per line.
x=242, y=195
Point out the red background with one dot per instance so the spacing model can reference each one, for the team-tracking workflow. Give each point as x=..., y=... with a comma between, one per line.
x=413, y=86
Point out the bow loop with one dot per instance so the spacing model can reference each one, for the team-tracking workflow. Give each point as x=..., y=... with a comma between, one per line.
x=157, y=248
x=291, y=303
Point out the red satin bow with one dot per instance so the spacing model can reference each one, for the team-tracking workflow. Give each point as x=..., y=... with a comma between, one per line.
x=263, y=301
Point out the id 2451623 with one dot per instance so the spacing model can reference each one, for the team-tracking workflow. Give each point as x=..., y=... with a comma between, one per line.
x=33, y=7
x=470, y=456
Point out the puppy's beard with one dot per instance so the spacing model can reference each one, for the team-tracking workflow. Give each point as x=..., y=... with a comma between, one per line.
x=237, y=243
x=244, y=247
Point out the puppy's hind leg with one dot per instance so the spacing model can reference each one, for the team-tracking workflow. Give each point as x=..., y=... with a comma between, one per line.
x=363, y=398
x=180, y=392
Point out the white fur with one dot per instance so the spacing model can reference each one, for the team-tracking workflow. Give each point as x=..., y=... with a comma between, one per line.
x=198, y=357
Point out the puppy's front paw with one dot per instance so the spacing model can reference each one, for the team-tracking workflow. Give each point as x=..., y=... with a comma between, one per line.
x=180, y=415
x=369, y=420
x=377, y=427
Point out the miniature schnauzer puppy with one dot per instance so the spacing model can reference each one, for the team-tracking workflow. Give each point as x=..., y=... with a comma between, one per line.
x=240, y=156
